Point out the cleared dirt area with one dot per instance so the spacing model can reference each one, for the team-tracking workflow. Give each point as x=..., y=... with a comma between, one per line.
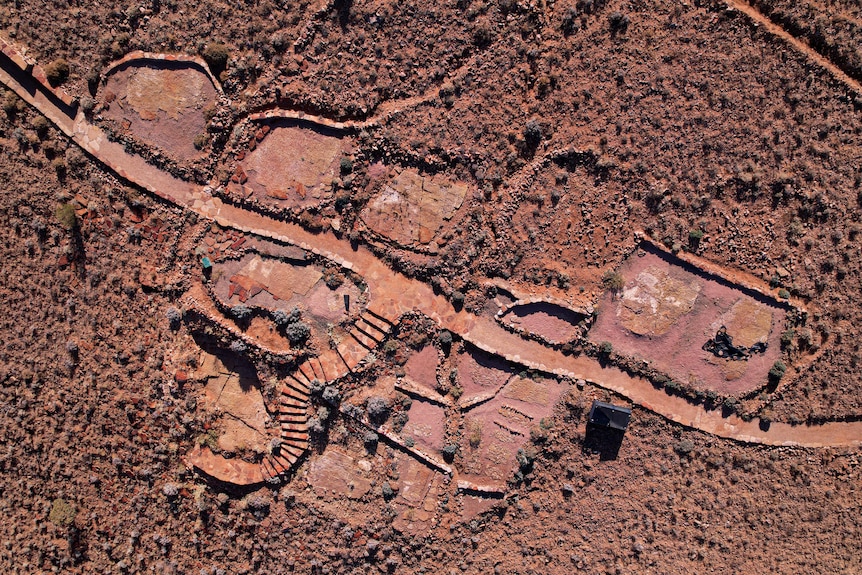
x=481, y=374
x=411, y=208
x=726, y=131
x=551, y=322
x=162, y=105
x=294, y=165
x=498, y=428
x=665, y=314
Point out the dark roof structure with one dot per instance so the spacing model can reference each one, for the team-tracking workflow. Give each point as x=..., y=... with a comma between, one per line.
x=609, y=415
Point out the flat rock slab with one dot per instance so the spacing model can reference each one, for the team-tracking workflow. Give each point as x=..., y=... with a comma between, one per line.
x=294, y=166
x=280, y=278
x=234, y=471
x=411, y=208
x=336, y=473
x=163, y=106
x=654, y=300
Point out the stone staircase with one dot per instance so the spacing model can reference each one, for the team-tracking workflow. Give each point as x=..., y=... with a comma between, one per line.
x=367, y=332
x=293, y=418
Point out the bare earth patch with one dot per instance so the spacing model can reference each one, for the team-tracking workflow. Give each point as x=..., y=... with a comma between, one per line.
x=264, y=282
x=236, y=396
x=666, y=313
x=416, y=504
x=426, y=425
x=411, y=208
x=294, y=166
x=163, y=106
x=496, y=429
x=421, y=368
x=336, y=474
x=552, y=322
x=480, y=373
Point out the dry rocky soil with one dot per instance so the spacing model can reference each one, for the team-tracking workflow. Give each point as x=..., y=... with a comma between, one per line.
x=610, y=183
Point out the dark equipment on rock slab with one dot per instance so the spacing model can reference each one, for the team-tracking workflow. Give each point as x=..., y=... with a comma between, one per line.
x=722, y=346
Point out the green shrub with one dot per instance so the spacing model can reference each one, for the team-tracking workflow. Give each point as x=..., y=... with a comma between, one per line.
x=787, y=338
x=201, y=140
x=57, y=72
x=41, y=125
x=613, y=281
x=216, y=56
x=458, y=298
x=62, y=513
x=684, y=447
x=346, y=165
x=12, y=104
x=777, y=371
x=449, y=451
x=783, y=294
x=445, y=338
x=67, y=217
x=297, y=332
x=333, y=279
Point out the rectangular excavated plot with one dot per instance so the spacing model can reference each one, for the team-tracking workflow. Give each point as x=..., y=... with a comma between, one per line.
x=667, y=311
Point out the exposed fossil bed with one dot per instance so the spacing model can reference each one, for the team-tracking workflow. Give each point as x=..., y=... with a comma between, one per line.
x=572, y=126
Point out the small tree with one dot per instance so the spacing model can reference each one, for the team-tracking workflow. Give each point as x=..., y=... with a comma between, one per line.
x=57, y=72
x=613, y=282
x=216, y=56
x=67, y=217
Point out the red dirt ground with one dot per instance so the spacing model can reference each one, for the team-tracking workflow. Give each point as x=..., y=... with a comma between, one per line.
x=294, y=166
x=480, y=373
x=496, y=429
x=422, y=367
x=427, y=425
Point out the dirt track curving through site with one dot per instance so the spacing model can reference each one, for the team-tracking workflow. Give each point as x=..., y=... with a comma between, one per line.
x=396, y=293
x=795, y=42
